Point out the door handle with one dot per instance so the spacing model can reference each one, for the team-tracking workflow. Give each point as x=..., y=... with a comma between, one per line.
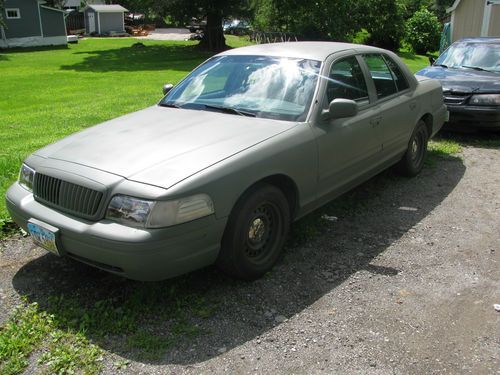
x=375, y=121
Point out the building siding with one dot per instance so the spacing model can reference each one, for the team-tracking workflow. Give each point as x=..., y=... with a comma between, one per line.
x=52, y=22
x=29, y=23
x=111, y=22
x=494, y=27
x=468, y=19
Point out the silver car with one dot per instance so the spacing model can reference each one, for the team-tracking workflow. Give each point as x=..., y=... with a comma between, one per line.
x=249, y=141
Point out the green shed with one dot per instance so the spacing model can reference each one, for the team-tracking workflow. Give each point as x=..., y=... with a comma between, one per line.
x=29, y=23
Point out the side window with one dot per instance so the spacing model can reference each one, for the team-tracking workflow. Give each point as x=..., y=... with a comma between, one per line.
x=346, y=81
x=382, y=76
x=397, y=74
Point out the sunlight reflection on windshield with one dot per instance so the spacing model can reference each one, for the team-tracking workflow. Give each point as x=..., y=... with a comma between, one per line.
x=268, y=87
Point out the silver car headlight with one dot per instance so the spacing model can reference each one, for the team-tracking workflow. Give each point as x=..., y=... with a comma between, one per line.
x=485, y=99
x=26, y=177
x=144, y=213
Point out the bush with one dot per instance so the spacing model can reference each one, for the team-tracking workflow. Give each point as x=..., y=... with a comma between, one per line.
x=423, y=31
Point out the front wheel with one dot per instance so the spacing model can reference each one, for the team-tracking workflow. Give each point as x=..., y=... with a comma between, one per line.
x=413, y=160
x=255, y=233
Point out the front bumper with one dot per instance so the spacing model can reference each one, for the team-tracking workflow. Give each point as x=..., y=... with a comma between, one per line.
x=476, y=117
x=140, y=254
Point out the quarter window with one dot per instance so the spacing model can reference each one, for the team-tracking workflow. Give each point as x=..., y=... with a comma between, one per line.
x=346, y=81
x=12, y=13
x=397, y=74
x=381, y=75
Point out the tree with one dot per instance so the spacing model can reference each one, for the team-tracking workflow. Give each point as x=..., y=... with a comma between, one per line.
x=384, y=21
x=321, y=19
x=2, y=12
x=55, y=3
x=439, y=8
x=423, y=31
x=212, y=10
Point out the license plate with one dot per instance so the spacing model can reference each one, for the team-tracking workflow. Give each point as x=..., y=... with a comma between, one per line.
x=43, y=235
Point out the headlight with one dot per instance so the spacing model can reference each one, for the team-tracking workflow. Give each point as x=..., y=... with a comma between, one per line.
x=485, y=99
x=26, y=177
x=156, y=214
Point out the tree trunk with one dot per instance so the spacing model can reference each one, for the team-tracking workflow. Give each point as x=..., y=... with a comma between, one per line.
x=213, y=36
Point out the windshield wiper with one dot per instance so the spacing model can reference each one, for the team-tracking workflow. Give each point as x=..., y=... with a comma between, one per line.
x=477, y=68
x=230, y=110
x=441, y=65
x=169, y=105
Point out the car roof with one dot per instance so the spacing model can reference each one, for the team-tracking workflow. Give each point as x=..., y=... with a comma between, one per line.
x=305, y=50
x=493, y=40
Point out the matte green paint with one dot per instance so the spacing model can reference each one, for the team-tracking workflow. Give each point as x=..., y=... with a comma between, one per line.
x=165, y=153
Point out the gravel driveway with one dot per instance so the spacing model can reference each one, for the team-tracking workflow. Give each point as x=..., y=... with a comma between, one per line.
x=403, y=282
x=168, y=34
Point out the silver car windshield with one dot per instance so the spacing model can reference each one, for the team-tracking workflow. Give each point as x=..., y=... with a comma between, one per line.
x=479, y=56
x=257, y=86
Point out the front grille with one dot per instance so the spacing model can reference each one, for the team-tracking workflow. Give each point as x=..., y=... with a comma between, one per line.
x=66, y=196
x=455, y=98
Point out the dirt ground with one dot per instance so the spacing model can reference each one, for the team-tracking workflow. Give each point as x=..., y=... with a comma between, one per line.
x=404, y=283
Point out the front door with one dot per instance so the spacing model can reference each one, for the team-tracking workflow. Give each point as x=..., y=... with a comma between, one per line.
x=91, y=22
x=348, y=148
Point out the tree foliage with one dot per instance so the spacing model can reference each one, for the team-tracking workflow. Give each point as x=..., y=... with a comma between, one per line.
x=384, y=20
x=321, y=19
x=2, y=12
x=213, y=11
x=423, y=31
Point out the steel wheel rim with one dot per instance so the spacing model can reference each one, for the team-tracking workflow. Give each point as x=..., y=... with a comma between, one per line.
x=262, y=232
x=417, y=148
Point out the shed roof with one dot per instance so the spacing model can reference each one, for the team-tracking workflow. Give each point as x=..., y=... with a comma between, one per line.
x=111, y=8
x=453, y=7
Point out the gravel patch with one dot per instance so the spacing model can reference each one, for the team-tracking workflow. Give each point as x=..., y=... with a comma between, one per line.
x=405, y=283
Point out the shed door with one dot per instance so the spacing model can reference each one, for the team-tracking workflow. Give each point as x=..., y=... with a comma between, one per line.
x=491, y=18
x=91, y=22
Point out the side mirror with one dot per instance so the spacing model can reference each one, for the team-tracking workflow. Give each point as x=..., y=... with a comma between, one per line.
x=340, y=108
x=167, y=87
x=432, y=60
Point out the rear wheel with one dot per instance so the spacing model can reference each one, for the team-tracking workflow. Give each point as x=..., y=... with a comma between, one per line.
x=413, y=160
x=255, y=233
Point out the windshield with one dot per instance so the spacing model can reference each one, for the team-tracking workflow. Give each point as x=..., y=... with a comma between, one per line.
x=485, y=56
x=260, y=86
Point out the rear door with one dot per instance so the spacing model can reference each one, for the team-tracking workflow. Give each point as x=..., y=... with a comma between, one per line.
x=395, y=103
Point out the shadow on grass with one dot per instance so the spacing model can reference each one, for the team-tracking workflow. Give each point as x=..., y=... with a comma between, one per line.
x=33, y=49
x=143, y=57
x=3, y=57
x=198, y=316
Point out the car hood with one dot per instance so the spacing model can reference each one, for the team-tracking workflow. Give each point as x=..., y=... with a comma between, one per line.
x=162, y=146
x=463, y=80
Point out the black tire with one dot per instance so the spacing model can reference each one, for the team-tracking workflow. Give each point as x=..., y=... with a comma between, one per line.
x=255, y=233
x=413, y=160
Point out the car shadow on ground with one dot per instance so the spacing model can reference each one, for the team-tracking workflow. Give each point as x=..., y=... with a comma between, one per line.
x=140, y=56
x=196, y=317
